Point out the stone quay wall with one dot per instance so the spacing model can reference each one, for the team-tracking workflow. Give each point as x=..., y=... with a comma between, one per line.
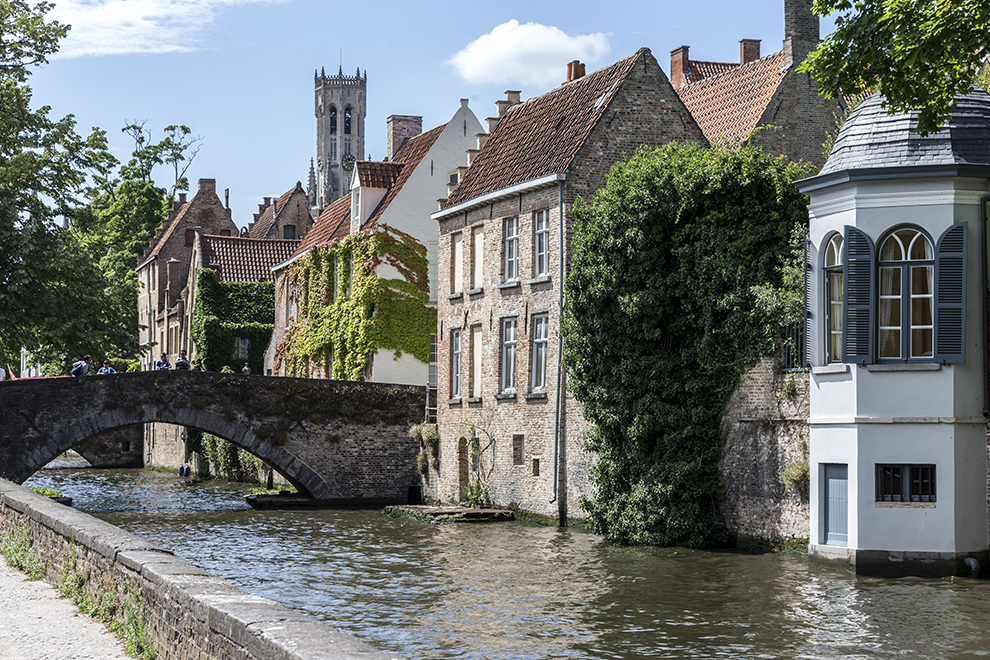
x=188, y=614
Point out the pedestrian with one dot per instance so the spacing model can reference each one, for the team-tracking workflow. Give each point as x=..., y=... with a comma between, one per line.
x=163, y=364
x=106, y=368
x=81, y=368
x=182, y=362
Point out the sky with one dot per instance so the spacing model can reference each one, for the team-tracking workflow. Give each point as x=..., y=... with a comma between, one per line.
x=239, y=73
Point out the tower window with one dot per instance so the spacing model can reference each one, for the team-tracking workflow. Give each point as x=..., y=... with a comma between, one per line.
x=333, y=120
x=347, y=121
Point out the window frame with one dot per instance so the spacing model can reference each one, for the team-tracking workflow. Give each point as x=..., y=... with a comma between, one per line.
x=539, y=353
x=906, y=295
x=834, y=275
x=457, y=262
x=541, y=243
x=508, y=351
x=910, y=479
x=510, y=249
x=455, y=363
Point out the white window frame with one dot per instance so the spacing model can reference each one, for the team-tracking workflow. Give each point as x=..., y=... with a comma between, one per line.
x=457, y=260
x=455, y=363
x=541, y=342
x=510, y=250
x=834, y=266
x=507, y=376
x=477, y=257
x=541, y=243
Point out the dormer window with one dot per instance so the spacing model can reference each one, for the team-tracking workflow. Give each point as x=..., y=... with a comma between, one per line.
x=356, y=204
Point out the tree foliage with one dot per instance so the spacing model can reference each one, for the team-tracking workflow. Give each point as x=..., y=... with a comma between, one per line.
x=918, y=53
x=662, y=320
x=226, y=312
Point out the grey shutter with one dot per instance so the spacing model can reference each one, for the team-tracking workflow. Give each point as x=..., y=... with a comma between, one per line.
x=950, y=295
x=857, y=298
x=809, y=304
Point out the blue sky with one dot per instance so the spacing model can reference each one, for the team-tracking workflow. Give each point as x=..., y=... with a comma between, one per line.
x=239, y=73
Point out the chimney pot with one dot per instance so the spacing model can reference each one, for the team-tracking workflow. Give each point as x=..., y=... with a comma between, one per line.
x=575, y=70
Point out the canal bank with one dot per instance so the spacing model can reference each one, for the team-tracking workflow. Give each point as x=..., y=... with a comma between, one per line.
x=184, y=612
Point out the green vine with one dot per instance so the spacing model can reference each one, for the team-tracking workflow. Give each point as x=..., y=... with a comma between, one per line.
x=229, y=461
x=227, y=312
x=347, y=309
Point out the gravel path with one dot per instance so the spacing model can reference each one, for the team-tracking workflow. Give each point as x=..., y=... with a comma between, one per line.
x=36, y=624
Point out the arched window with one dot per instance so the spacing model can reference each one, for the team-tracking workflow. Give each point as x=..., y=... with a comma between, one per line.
x=834, y=261
x=347, y=121
x=906, y=290
x=333, y=120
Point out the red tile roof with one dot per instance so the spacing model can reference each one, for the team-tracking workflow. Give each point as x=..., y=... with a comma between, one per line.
x=239, y=259
x=698, y=70
x=333, y=223
x=542, y=136
x=729, y=105
x=260, y=227
x=375, y=174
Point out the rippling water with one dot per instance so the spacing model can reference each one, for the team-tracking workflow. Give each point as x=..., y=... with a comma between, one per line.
x=516, y=591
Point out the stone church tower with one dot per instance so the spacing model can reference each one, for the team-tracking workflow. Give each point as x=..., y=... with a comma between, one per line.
x=341, y=106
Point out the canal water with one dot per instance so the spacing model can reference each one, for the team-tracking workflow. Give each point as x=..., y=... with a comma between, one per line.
x=517, y=591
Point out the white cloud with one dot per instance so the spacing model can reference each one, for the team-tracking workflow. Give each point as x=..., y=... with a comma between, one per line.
x=119, y=27
x=529, y=53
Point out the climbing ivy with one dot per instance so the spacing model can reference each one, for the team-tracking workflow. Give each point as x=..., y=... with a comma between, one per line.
x=226, y=312
x=662, y=320
x=348, y=308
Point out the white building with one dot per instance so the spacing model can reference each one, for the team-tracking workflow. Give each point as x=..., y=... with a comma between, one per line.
x=897, y=332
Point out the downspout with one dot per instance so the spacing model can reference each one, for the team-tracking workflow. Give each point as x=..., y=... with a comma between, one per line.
x=560, y=342
x=985, y=308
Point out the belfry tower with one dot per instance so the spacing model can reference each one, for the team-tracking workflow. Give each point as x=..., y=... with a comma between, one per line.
x=341, y=106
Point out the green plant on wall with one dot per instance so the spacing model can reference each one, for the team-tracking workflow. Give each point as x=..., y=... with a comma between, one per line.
x=348, y=306
x=228, y=314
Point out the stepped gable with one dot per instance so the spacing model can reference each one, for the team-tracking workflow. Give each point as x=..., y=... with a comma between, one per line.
x=237, y=259
x=410, y=156
x=260, y=227
x=160, y=241
x=729, y=105
x=872, y=138
x=542, y=135
x=333, y=223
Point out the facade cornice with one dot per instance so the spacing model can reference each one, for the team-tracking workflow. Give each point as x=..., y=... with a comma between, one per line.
x=496, y=195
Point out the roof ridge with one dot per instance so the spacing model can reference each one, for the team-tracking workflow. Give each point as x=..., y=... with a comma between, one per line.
x=737, y=68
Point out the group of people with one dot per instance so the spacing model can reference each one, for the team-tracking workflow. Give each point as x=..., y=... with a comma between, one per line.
x=181, y=362
x=81, y=368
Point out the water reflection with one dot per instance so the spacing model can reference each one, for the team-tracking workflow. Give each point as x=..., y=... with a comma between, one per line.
x=513, y=591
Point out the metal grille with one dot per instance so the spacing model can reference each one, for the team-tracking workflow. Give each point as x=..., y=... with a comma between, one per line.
x=792, y=352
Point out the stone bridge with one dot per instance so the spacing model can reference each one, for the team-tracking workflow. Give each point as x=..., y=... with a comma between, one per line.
x=337, y=441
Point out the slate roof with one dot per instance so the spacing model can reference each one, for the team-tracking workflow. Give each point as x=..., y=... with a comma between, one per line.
x=334, y=222
x=871, y=138
x=260, y=227
x=238, y=259
x=375, y=174
x=729, y=105
x=542, y=135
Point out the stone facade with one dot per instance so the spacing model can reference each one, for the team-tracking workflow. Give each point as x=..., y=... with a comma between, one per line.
x=341, y=106
x=187, y=613
x=526, y=442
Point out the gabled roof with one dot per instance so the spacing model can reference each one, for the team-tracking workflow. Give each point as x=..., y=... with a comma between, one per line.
x=729, y=105
x=159, y=242
x=333, y=223
x=698, y=70
x=260, y=227
x=239, y=259
x=410, y=156
x=542, y=136
x=375, y=174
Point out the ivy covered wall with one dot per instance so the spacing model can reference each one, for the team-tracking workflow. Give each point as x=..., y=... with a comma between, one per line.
x=226, y=314
x=346, y=307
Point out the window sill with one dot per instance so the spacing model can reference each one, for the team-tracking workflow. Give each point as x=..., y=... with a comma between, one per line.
x=511, y=284
x=539, y=279
x=455, y=296
x=456, y=401
x=905, y=366
x=904, y=505
x=473, y=399
x=506, y=396
x=530, y=396
x=476, y=292
x=830, y=369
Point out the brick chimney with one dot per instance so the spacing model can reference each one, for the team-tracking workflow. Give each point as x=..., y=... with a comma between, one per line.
x=400, y=129
x=801, y=34
x=575, y=70
x=208, y=186
x=749, y=50
x=680, y=67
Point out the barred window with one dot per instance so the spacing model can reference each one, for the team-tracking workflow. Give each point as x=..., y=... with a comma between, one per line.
x=905, y=483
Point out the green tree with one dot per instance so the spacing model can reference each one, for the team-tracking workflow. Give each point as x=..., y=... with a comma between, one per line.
x=918, y=53
x=663, y=318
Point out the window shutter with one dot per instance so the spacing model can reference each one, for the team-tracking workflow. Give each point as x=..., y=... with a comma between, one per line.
x=950, y=295
x=857, y=297
x=810, y=340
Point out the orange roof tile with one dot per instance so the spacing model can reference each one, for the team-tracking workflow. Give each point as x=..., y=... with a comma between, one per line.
x=333, y=223
x=238, y=259
x=729, y=105
x=698, y=70
x=376, y=174
x=542, y=135
x=260, y=227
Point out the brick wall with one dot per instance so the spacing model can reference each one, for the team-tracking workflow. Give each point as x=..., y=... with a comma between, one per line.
x=188, y=613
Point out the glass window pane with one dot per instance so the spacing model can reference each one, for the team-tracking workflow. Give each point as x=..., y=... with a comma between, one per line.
x=921, y=280
x=921, y=248
x=891, y=249
x=921, y=343
x=890, y=343
x=890, y=281
x=890, y=313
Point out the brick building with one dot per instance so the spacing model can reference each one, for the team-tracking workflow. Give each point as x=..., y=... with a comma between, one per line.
x=286, y=217
x=731, y=100
x=505, y=415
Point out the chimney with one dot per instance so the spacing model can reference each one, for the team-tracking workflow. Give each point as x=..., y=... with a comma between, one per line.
x=801, y=34
x=400, y=129
x=749, y=50
x=680, y=67
x=575, y=70
x=182, y=198
x=226, y=198
x=208, y=186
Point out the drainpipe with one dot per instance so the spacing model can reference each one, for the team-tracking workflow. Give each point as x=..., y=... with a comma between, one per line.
x=560, y=342
x=983, y=304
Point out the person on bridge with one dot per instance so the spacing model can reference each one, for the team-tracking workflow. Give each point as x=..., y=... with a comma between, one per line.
x=81, y=368
x=106, y=368
x=163, y=364
x=182, y=362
